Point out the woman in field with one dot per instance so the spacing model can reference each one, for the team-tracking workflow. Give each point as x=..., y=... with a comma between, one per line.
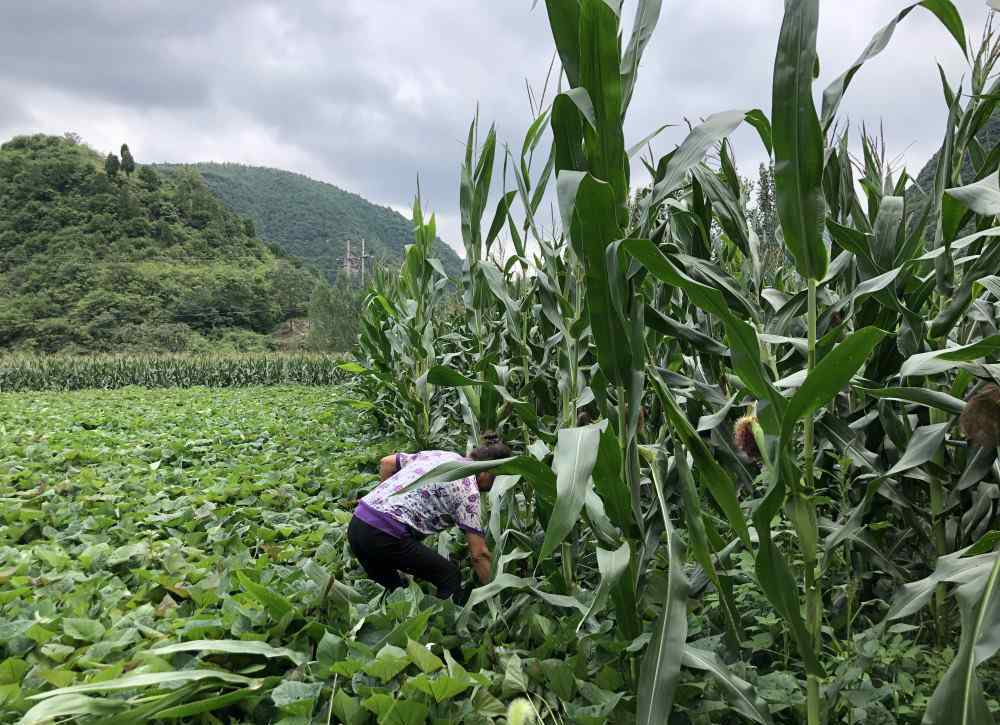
x=386, y=531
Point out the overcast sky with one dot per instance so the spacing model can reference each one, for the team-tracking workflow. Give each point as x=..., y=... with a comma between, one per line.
x=366, y=94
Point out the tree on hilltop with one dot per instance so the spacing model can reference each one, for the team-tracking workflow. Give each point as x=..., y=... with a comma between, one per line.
x=128, y=163
x=112, y=165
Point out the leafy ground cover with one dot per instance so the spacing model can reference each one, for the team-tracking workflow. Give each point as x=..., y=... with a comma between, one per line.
x=166, y=556
x=141, y=518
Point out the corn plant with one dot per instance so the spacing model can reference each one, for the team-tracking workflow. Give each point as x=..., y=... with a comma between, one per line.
x=108, y=372
x=812, y=425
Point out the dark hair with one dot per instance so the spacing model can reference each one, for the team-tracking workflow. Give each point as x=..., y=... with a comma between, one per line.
x=493, y=448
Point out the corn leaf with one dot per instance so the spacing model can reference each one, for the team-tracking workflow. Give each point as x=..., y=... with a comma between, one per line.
x=798, y=140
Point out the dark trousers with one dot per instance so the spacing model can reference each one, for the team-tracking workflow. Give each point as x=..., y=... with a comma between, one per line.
x=383, y=556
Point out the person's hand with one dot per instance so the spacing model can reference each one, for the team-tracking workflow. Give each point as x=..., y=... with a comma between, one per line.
x=482, y=559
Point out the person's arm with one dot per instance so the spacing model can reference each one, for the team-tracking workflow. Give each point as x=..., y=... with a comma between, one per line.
x=389, y=466
x=482, y=559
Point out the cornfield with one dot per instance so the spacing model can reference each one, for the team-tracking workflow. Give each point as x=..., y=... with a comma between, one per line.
x=836, y=432
x=107, y=372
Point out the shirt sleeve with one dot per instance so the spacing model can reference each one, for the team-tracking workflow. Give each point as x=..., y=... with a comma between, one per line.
x=468, y=509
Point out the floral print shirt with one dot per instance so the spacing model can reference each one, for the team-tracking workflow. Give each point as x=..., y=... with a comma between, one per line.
x=431, y=508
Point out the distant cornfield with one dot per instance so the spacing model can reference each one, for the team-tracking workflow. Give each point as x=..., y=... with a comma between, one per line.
x=24, y=373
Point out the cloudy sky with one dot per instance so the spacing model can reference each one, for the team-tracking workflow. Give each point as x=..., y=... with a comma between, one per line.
x=366, y=94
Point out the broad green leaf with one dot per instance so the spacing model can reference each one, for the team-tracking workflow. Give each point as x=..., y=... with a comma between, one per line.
x=501, y=582
x=148, y=679
x=798, y=141
x=982, y=197
x=88, y=630
x=601, y=76
x=575, y=456
x=388, y=663
x=959, y=697
x=564, y=20
x=693, y=149
x=701, y=548
x=661, y=664
x=590, y=206
x=442, y=687
x=612, y=565
x=927, y=441
x=923, y=396
x=831, y=375
x=943, y=9
x=938, y=361
x=608, y=482
x=230, y=646
x=209, y=704
x=647, y=13
x=294, y=692
x=740, y=694
x=656, y=320
x=960, y=567
x=60, y=706
x=392, y=711
x=422, y=657
x=277, y=605
x=559, y=677
x=348, y=709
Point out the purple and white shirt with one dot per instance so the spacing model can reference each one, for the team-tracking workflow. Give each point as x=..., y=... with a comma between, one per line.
x=427, y=509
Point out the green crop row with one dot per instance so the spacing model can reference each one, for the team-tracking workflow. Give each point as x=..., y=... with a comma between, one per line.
x=23, y=373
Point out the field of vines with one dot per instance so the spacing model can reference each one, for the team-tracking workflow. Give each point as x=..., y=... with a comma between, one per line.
x=742, y=491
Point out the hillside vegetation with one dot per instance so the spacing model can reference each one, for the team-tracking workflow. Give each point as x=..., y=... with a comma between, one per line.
x=311, y=219
x=94, y=260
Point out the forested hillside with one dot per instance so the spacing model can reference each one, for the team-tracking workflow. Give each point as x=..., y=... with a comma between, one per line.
x=97, y=255
x=988, y=137
x=311, y=219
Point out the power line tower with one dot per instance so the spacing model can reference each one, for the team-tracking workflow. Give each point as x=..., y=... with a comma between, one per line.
x=354, y=265
x=364, y=261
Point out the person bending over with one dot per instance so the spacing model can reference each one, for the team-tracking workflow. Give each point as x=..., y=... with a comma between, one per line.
x=385, y=532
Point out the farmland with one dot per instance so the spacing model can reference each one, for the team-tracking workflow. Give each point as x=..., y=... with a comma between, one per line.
x=131, y=518
x=139, y=519
x=753, y=466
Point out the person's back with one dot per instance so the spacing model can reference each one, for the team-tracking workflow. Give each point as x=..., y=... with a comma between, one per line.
x=428, y=509
x=387, y=526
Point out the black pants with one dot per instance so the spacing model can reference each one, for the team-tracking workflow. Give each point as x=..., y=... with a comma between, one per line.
x=384, y=556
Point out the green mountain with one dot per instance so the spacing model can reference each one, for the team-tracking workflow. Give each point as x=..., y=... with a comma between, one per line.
x=94, y=260
x=988, y=137
x=311, y=219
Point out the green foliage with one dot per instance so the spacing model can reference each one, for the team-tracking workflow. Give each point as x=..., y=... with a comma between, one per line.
x=311, y=219
x=112, y=165
x=128, y=163
x=90, y=263
x=334, y=316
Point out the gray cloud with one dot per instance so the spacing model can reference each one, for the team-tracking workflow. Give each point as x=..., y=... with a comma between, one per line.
x=369, y=94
